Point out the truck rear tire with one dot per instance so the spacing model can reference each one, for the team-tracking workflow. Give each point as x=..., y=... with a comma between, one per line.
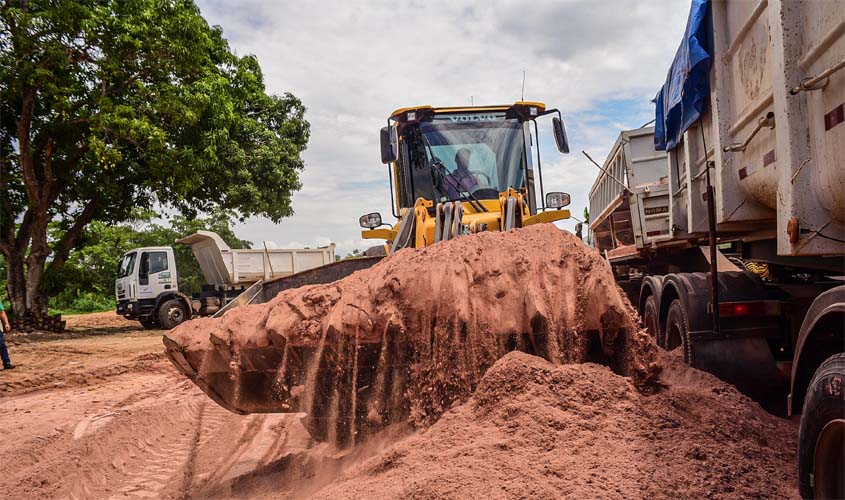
x=676, y=332
x=171, y=314
x=651, y=320
x=821, y=454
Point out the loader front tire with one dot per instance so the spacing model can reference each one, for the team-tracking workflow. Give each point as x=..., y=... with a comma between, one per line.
x=171, y=314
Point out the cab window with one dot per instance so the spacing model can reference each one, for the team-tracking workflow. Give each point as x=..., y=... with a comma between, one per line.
x=153, y=262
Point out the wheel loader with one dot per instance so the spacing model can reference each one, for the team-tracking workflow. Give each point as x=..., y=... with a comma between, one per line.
x=454, y=172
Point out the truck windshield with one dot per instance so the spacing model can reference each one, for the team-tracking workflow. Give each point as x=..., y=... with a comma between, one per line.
x=480, y=154
x=127, y=265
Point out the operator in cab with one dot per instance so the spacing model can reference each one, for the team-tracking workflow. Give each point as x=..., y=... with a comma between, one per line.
x=461, y=179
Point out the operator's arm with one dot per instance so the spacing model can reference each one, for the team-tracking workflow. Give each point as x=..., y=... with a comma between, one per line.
x=5, y=319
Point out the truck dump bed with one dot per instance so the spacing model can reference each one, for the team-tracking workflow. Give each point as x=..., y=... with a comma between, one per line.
x=224, y=266
x=629, y=202
x=774, y=129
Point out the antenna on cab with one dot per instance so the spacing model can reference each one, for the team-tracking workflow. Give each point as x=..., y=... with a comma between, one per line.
x=523, y=86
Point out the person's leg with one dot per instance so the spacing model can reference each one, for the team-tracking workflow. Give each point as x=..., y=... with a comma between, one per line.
x=4, y=352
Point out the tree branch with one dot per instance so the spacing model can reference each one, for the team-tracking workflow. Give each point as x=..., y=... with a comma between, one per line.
x=68, y=240
x=30, y=180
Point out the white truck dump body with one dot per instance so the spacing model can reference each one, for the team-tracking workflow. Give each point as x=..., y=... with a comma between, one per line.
x=778, y=148
x=622, y=222
x=224, y=266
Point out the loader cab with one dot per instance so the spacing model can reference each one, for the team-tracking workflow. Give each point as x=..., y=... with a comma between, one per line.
x=144, y=275
x=449, y=154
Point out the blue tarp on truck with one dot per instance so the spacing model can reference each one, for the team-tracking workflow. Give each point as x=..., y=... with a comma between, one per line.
x=683, y=97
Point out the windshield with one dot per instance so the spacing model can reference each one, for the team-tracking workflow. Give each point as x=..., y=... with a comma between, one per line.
x=478, y=154
x=127, y=265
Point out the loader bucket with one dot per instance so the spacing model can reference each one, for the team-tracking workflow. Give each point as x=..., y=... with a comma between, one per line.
x=207, y=359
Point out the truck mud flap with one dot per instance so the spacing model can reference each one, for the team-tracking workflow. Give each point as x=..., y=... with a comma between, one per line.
x=744, y=361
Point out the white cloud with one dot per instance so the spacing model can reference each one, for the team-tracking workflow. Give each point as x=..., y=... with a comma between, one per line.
x=353, y=63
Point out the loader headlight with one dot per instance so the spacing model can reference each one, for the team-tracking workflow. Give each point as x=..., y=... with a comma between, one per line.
x=370, y=221
x=557, y=200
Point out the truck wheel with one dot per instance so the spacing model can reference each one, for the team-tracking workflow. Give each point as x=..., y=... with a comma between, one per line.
x=149, y=323
x=676, y=333
x=651, y=319
x=171, y=314
x=821, y=454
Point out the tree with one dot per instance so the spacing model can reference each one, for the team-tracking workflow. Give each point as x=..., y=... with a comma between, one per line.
x=110, y=106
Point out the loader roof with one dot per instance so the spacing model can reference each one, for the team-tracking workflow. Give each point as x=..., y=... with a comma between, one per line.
x=401, y=113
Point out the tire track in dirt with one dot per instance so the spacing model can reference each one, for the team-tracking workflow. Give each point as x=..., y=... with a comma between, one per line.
x=168, y=466
x=152, y=362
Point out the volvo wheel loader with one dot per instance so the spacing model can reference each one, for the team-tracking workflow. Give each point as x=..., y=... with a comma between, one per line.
x=453, y=173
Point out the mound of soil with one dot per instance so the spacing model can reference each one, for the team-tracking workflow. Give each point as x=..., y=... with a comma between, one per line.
x=537, y=430
x=411, y=336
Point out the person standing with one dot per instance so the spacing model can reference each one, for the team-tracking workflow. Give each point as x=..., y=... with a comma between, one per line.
x=4, y=327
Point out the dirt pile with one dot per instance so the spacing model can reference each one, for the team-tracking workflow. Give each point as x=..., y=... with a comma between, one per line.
x=536, y=430
x=411, y=336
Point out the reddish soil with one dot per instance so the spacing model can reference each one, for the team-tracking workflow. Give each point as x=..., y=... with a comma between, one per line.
x=411, y=336
x=106, y=416
x=536, y=430
x=530, y=430
x=104, y=322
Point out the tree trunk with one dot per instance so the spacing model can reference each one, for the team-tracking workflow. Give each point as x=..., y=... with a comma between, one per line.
x=39, y=250
x=36, y=300
x=16, y=284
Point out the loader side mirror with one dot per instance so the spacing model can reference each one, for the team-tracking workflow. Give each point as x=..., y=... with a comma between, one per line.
x=388, y=152
x=370, y=221
x=556, y=199
x=560, y=135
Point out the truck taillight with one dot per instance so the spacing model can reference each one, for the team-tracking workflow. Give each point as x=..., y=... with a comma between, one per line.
x=752, y=308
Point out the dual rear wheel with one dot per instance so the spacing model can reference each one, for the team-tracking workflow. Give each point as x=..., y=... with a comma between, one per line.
x=676, y=331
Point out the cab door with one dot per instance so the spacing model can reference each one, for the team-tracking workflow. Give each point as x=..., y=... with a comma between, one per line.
x=154, y=274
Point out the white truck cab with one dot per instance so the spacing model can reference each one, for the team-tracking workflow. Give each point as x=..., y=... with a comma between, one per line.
x=146, y=288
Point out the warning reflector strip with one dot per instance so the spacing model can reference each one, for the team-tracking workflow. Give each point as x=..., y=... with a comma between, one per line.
x=835, y=117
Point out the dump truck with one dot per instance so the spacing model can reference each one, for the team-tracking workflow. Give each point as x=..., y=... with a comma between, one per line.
x=147, y=287
x=745, y=182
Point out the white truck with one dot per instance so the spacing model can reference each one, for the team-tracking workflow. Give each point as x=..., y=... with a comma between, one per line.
x=745, y=181
x=147, y=284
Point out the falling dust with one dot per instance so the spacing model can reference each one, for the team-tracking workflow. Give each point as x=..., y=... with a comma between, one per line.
x=410, y=337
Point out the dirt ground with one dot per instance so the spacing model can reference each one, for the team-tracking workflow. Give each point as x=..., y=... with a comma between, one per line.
x=99, y=413
x=103, y=415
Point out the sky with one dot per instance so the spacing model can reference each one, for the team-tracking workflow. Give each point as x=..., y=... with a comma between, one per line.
x=352, y=63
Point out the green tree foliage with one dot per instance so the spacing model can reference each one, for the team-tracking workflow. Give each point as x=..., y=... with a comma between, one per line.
x=110, y=106
x=87, y=278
